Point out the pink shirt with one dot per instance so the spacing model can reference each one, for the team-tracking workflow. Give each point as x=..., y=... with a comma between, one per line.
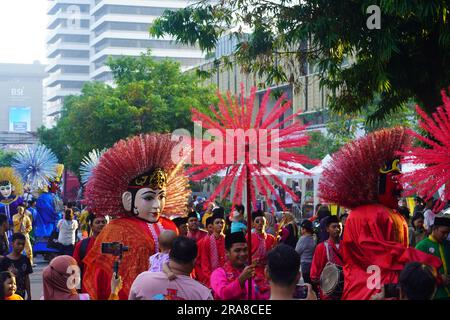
x=225, y=285
x=157, y=261
x=156, y=286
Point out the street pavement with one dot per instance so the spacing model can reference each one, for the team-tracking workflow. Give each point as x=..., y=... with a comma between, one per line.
x=36, y=278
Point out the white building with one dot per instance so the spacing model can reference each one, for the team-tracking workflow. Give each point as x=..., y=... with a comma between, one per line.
x=121, y=27
x=84, y=33
x=67, y=50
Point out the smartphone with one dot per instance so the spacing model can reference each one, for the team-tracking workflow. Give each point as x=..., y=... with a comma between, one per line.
x=391, y=290
x=301, y=292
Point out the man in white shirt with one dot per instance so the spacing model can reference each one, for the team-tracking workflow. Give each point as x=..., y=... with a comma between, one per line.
x=429, y=214
x=175, y=282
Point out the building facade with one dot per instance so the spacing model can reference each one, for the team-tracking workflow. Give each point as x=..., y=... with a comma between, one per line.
x=21, y=104
x=84, y=33
x=306, y=94
x=67, y=51
x=121, y=28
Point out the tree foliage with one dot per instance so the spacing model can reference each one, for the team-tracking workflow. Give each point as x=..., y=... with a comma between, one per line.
x=408, y=57
x=6, y=158
x=149, y=96
x=343, y=128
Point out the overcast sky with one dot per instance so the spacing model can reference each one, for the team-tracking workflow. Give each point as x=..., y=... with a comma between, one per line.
x=23, y=31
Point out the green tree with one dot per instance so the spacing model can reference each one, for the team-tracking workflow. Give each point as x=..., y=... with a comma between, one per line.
x=6, y=158
x=318, y=147
x=408, y=57
x=342, y=128
x=149, y=96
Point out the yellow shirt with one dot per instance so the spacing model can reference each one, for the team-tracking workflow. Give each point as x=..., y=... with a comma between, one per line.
x=14, y=297
x=22, y=224
x=206, y=216
x=84, y=224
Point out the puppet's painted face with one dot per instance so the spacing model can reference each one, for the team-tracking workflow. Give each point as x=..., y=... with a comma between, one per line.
x=146, y=195
x=390, y=189
x=6, y=190
x=147, y=204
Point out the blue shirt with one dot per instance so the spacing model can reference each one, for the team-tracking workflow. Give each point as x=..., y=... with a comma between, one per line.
x=238, y=226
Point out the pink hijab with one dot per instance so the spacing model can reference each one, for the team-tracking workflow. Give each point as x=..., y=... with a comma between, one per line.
x=55, y=278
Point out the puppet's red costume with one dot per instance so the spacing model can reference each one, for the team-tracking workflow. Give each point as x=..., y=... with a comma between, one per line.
x=363, y=177
x=141, y=161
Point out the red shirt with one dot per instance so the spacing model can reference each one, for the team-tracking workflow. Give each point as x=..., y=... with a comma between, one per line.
x=205, y=263
x=77, y=256
x=261, y=245
x=320, y=259
x=197, y=235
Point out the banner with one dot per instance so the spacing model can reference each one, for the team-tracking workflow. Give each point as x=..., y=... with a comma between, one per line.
x=19, y=119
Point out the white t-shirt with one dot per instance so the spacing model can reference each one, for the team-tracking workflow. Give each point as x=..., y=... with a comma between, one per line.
x=429, y=218
x=288, y=199
x=156, y=286
x=67, y=230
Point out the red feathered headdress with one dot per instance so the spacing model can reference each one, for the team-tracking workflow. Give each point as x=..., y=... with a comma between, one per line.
x=435, y=159
x=128, y=159
x=351, y=178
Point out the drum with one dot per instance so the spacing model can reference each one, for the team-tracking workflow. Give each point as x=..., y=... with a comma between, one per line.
x=332, y=281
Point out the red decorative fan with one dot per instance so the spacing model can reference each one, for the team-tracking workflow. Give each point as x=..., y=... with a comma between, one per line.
x=435, y=160
x=260, y=156
x=254, y=158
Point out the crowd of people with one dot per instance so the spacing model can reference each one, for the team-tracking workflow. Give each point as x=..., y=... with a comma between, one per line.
x=139, y=238
x=209, y=261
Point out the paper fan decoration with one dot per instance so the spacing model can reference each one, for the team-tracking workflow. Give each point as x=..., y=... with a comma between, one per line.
x=89, y=163
x=36, y=165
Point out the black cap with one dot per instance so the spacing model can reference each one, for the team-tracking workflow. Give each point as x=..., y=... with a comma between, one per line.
x=442, y=219
x=331, y=219
x=308, y=225
x=193, y=214
x=218, y=213
x=209, y=220
x=234, y=237
x=179, y=221
x=219, y=210
x=256, y=214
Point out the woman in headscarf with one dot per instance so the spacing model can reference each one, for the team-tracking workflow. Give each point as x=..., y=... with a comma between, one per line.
x=61, y=278
x=270, y=228
x=288, y=230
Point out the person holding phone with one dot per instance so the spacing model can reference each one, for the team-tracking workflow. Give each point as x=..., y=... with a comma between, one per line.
x=416, y=282
x=230, y=282
x=282, y=270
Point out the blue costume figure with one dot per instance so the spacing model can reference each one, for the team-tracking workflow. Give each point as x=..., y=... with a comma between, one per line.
x=49, y=211
x=39, y=168
x=11, y=189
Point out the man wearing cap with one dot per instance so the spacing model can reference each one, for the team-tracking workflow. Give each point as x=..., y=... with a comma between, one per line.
x=212, y=248
x=182, y=225
x=194, y=232
x=230, y=282
x=305, y=248
x=438, y=245
x=262, y=243
x=328, y=251
x=198, y=271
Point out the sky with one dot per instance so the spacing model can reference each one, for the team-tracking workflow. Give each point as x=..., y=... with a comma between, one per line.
x=23, y=31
